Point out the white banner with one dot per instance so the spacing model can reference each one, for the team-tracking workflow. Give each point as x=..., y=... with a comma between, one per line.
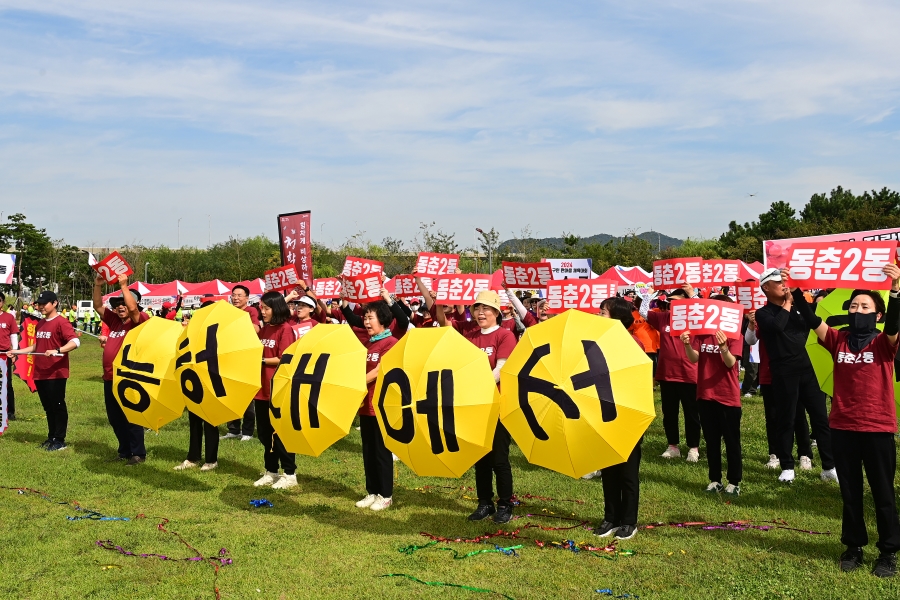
x=7, y=268
x=569, y=268
x=4, y=421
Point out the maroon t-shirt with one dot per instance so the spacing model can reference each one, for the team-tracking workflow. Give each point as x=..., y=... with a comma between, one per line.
x=275, y=340
x=50, y=335
x=715, y=381
x=672, y=362
x=765, y=373
x=863, y=384
x=8, y=328
x=254, y=315
x=118, y=329
x=498, y=344
x=375, y=351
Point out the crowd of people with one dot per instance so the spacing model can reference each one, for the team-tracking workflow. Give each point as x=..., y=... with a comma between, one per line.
x=698, y=377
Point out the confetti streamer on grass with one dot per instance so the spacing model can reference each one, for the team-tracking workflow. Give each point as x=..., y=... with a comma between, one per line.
x=455, y=585
x=261, y=503
x=87, y=514
x=508, y=551
x=609, y=592
x=736, y=526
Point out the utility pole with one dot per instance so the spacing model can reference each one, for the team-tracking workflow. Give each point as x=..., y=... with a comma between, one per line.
x=146, y=266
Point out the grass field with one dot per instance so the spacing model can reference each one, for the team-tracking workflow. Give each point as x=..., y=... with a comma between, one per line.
x=315, y=543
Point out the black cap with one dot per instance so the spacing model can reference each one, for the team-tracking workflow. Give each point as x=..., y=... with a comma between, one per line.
x=45, y=297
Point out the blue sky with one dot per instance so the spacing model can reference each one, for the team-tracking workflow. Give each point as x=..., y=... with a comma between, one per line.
x=117, y=119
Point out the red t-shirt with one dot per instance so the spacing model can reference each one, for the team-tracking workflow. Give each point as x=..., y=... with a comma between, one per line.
x=8, y=328
x=510, y=326
x=863, y=384
x=254, y=315
x=50, y=335
x=714, y=381
x=498, y=344
x=672, y=363
x=117, y=332
x=275, y=340
x=301, y=328
x=375, y=351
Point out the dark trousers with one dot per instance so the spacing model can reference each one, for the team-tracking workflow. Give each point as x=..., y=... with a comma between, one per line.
x=622, y=489
x=751, y=378
x=200, y=429
x=275, y=452
x=130, y=436
x=249, y=421
x=801, y=425
x=877, y=453
x=10, y=392
x=800, y=388
x=378, y=463
x=52, y=393
x=495, y=462
x=674, y=394
x=721, y=422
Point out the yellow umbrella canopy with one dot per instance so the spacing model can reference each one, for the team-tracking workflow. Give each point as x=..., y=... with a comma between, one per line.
x=577, y=393
x=318, y=388
x=217, y=366
x=436, y=402
x=138, y=370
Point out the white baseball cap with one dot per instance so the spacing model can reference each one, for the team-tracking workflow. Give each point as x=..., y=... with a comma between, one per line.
x=770, y=275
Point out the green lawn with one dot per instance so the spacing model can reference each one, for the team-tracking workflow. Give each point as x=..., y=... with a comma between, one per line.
x=315, y=543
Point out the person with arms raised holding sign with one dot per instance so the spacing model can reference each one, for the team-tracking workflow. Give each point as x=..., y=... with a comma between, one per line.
x=54, y=339
x=124, y=316
x=784, y=331
x=240, y=296
x=9, y=340
x=864, y=417
x=719, y=402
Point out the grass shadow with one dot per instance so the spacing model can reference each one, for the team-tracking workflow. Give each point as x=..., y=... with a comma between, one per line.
x=150, y=473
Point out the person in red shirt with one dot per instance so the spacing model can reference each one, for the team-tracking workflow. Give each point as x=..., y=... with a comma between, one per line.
x=9, y=340
x=497, y=343
x=124, y=316
x=242, y=429
x=304, y=308
x=378, y=463
x=276, y=335
x=863, y=417
x=54, y=339
x=719, y=402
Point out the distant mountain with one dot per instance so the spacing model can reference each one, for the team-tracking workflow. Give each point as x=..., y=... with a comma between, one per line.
x=657, y=239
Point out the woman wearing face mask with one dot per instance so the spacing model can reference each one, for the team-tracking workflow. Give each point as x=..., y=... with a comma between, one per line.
x=863, y=417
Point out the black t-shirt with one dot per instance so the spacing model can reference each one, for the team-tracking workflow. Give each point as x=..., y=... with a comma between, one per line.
x=784, y=335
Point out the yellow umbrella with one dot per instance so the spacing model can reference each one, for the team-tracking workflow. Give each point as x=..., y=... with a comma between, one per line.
x=436, y=402
x=217, y=364
x=138, y=369
x=577, y=393
x=318, y=388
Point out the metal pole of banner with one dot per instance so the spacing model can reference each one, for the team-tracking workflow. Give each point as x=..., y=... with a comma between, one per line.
x=146, y=266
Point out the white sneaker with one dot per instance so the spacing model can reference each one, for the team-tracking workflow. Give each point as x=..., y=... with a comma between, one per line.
x=829, y=475
x=286, y=481
x=693, y=455
x=209, y=466
x=185, y=465
x=592, y=474
x=230, y=436
x=813, y=443
x=787, y=476
x=246, y=438
x=394, y=457
x=367, y=501
x=381, y=503
x=267, y=479
x=748, y=395
x=714, y=486
x=805, y=463
x=773, y=463
x=671, y=452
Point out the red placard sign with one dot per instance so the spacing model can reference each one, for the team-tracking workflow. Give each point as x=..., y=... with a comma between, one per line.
x=327, y=288
x=527, y=276
x=112, y=267
x=459, y=289
x=841, y=264
x=584, y=295
x=282, y=278
x=363, y=288
x=405, y=286
x=295, y=241
x=674, y=272
x=361, y=266
x=430, y=263
x=750, y=295
x=720, y=272
x=24, y=365
x=705, y=317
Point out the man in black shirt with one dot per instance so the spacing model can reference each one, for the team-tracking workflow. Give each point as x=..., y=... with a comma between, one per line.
x=784, y=332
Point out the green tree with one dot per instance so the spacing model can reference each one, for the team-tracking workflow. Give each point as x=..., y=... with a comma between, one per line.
x=33, y=250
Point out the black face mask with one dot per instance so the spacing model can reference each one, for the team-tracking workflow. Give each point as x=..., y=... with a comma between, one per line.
x=862, y=330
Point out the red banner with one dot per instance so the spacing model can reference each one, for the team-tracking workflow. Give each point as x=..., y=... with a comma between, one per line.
x=720, y=272
x=459, y=289
x=112, y=267
x=674, y=272
x=705, y=317
x=527, y=276
x=841, y=264
x=282, y=278
x=361, y=266
x=363, y=288
x=586, y=296
x=777, y=251
x=405, y=286
x=327, y=288
x=433, y=264
x=749, y=295
x=24, y=366
x=296, y=244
